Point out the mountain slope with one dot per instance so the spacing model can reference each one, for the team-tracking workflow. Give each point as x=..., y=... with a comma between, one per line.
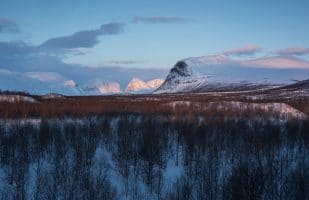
x=138, y=85
x=37, y=83
x=219, y=73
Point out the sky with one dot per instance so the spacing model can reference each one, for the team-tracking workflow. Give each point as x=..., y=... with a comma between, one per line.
x=151, y=34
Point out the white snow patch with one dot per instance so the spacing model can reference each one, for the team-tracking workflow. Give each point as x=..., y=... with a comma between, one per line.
x=16, y=98
x=53, y=96
x=137, y=84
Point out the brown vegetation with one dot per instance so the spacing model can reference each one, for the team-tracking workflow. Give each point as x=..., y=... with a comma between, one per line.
x=81, y=106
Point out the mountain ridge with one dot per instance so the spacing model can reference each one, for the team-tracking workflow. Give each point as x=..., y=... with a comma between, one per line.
x=219, y=73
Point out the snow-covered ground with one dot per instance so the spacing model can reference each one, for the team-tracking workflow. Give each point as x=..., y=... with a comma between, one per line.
x=16, y=98
x=282, y=110
x=138, y=159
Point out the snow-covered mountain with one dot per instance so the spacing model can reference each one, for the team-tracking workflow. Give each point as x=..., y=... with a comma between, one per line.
x=206, y=73
x=37, y=82
x=98, y=87
x=138, y=85
x=182, y=78
x=155, y=83
x=220, y=72
x=45, y=82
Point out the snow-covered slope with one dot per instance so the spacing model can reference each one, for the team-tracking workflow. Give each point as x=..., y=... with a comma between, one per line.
x=138, y=85
x=77, y=80
x=221, y=72
x=37, y=82
x=155, y=83
x=51, y=82
x=12, y=98
x=206, y=73
x=281, y=110
x=182, y=78
x=53, y=96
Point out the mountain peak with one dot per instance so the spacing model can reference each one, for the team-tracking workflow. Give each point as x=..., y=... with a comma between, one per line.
x=137, y=84
x=182, y=77
x=181, y=69
x=219, y=71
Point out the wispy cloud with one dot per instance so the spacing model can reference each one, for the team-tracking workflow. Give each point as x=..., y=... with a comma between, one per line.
x=124, y=62
x=160, y=19
x=8, y=26
x=293, y=51
x=243, y=51
x=279, y=62
x=82, y=39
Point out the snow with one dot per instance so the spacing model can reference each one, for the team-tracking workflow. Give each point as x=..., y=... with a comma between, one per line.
x=200, y=74
x=175, y=169
x=2, y=179
x=71, y=80
x=283, y=110
x=180, y=103
x=155, y=83
x=53, y=96
x=16, y=98
x=103, y=157
x=36, y=82
x=173, y=172
x=137, y=85
x=208, y=72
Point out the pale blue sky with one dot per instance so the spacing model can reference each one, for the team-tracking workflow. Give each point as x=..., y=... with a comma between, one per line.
x=166, y=30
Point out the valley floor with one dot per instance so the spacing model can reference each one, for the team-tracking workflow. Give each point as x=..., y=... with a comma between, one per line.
x=215, y=145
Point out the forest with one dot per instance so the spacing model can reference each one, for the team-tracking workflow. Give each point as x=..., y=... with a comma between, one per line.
x=136, y=156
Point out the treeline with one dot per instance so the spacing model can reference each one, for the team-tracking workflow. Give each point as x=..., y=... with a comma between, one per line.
x=80, y=107
x=145, y=157
x=10, y=92
x=175, y=105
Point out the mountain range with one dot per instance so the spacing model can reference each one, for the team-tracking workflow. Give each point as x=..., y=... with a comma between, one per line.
x=194, y=74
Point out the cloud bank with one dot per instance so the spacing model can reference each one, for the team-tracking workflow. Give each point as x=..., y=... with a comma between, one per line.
x=8, y=26
x=16, y=51
x=82, y=39
x=293, y=51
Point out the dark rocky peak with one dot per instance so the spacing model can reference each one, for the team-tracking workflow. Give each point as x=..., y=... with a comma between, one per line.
x=180, y=68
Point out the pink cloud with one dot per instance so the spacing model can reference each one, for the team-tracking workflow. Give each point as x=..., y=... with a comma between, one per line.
x=246, y=50
x=278, y=62
x=293, y=51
